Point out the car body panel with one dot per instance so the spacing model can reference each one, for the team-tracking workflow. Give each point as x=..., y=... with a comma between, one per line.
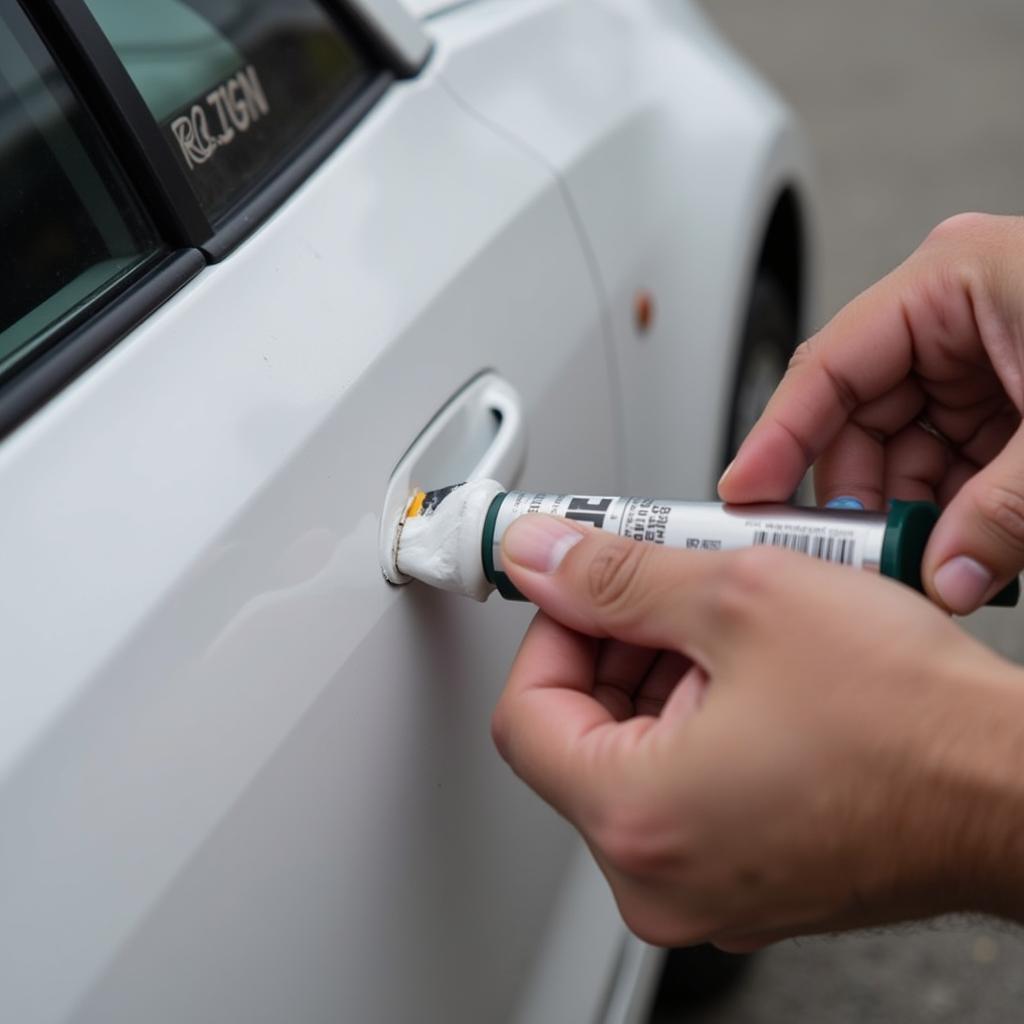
x=228, y=744
x=673, y=154
x=241, y=776
x=424, y=9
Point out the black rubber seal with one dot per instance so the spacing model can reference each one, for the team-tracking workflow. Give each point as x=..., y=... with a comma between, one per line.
x=79, y=345
x=237, y=224
x=89, y=59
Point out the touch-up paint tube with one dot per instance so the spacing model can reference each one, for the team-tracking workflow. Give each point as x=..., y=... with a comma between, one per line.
x=451, y=538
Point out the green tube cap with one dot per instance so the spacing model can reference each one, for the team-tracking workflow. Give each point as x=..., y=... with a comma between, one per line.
x=907, y=530
x=504, y=585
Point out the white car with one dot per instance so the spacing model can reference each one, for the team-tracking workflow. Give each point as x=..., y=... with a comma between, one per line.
x=268, y=264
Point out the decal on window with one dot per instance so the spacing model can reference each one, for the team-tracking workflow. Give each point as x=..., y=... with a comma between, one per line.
x=238, y=87
x=234, y=106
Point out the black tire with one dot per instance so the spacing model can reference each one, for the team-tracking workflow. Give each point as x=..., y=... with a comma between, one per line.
x=769, y=337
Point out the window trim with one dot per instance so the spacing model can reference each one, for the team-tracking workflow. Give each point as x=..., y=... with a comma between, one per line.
x=90, y=63
x=96, y=332
x=96, y=74
x=242, y=220
x=397, y=35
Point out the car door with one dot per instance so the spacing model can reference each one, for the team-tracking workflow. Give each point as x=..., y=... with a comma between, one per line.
x=241, y=776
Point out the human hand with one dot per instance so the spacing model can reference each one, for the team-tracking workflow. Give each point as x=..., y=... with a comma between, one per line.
x=940, y=339
x=756, y=744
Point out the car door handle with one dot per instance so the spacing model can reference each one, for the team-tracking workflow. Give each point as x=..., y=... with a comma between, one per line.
x=505, y=453
x=479, y=434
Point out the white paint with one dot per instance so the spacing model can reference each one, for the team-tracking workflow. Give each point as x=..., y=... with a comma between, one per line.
x=672, y=152
x=424, y=9
x=442, y=547
x=241, y=777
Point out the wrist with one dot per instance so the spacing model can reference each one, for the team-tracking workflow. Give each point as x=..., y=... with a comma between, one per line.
x=975, y=768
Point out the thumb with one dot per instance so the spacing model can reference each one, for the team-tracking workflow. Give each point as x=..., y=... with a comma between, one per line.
x=608, y=586
x=977, y=545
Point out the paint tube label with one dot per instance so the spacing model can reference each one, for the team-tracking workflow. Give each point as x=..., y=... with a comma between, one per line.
x=834, y=535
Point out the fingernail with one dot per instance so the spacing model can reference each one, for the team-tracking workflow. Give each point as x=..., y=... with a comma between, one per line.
x=846, y=501
x=725, y=473
x=962, y=583
x=539, y=542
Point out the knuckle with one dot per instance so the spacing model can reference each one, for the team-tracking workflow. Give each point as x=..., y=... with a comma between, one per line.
x=636, y=843
x=658, y=925
x=961, y=227
x=801, y=354
x=501, y=730
x=1002, y=509
x=963, y=250
x=613, y=574
x=811, y=353
x=654, y=855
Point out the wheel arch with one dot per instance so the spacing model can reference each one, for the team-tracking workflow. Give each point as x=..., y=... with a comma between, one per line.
x=783, y=253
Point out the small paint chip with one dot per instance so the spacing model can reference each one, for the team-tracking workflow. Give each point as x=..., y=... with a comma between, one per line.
x=643, y=310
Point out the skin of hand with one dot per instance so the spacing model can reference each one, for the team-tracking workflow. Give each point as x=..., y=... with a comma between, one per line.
x=756, y=744
x=941, y=337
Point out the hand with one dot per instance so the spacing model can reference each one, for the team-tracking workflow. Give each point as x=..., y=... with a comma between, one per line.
x=941, y=337
x=757, y=744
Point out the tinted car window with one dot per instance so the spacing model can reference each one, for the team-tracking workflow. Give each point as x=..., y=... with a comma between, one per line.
x=236, y=85
x=71, y=229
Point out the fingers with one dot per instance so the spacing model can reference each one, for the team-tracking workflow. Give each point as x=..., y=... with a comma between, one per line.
x=697, y=603
x=978, y=544
x=959, y=472
x=685, y=700
x=660, y=683
x=621, y=671
x=547, y=711
x=916, y=464
x=562, y=720
x=562, y=729
x=945, y=324
x=988, y=435
x=852, y=466
x=858, y=462
x=861, y=355
x=632, y=680
x=607, y=586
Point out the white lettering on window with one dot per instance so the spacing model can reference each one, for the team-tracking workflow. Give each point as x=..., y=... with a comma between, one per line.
x=193, y=134
x=234, y=106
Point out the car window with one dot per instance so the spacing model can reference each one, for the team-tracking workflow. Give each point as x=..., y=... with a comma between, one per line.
x=236, y=85
x=71, y=228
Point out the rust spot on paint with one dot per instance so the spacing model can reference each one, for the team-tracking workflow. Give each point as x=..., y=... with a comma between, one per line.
x=643, y=310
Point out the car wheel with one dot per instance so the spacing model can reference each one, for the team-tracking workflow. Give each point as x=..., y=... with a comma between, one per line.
x=769, y=337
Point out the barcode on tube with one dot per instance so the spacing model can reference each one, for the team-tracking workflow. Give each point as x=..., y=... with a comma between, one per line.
x=831, y=549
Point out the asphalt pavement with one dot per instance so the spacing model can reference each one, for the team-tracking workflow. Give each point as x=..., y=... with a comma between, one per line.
x=915, y=111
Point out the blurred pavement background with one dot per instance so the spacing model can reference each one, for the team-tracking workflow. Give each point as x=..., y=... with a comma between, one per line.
x=915, y=111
